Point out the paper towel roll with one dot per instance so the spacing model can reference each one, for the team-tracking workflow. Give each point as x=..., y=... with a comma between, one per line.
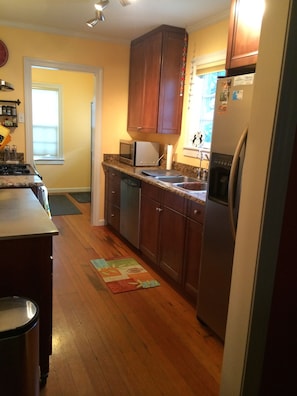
x=169, y=157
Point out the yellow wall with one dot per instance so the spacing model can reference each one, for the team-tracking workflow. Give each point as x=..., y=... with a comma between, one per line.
x=77, y=95
x=112, y=58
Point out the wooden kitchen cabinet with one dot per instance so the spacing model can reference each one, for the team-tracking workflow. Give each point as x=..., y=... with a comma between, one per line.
x=162, y=229
x=195, y=216
x=151, y=208
x=27, y=271
x=243, y=37
x=157, y=64
x=112, y=198
x=172, y=236
x=170, y=231
x=26, y=245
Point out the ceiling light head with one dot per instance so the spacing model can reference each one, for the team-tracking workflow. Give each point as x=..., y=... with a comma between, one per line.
x=125, y=2
x=92, y=22
x=100, y=16
x=101, y=5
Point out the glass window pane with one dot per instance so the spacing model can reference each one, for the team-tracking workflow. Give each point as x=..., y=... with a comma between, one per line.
x=46, y=120
x=201, y=110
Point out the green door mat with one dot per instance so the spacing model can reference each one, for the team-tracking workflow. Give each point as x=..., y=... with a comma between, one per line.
x=81, y=197
x=61, y=206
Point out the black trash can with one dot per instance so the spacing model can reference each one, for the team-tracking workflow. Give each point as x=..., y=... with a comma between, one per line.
x=19, y=347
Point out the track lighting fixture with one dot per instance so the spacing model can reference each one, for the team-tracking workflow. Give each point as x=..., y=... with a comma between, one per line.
x=125, y=2
x=99, y=7
x=99, y=16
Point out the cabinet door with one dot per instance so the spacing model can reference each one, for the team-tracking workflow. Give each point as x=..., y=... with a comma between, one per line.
x=243, y=39
x=145, y=62
x=170, y=99
x=172, y=235
x=192, y=258
x=151, y=201
x=149, y=228
x=195, y=216
x=136, y=85
x=151, y=84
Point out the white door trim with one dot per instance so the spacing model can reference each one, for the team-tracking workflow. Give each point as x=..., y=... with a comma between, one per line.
x=96, y=149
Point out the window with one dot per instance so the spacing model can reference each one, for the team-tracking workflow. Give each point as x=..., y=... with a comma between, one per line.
x=205, y=72
x=46, y=121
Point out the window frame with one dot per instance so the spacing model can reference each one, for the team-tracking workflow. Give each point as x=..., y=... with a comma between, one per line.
x=200, y=65
x=59, y=159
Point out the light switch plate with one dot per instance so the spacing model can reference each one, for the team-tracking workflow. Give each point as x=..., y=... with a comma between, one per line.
x=21, y=117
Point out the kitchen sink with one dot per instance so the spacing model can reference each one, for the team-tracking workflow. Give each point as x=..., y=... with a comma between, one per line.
x=192, y=185
x=175, y=179
x=188, y=184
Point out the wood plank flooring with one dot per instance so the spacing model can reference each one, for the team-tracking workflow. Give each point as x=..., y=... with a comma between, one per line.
x=141, y=343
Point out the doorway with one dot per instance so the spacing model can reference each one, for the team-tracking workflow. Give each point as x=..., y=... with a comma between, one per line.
x=29, y=63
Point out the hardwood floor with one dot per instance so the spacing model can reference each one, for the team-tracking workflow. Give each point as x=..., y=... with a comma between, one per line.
x=142, y=343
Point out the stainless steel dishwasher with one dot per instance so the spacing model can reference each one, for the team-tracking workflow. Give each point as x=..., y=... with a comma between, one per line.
x=130, y=209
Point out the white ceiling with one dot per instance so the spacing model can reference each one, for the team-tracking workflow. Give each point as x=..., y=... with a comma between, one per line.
x=121, y=24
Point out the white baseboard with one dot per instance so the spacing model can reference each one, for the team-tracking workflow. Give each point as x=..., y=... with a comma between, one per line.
x=69, y=190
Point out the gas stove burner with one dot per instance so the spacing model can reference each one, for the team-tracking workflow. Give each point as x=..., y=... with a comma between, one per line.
x=16, y=170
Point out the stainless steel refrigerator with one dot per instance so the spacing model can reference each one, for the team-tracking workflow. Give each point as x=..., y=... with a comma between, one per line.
x=230, y=129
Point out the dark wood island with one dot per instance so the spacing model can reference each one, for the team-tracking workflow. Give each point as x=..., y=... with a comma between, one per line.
x=26, y=238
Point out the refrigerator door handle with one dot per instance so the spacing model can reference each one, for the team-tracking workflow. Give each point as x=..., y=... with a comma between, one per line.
x=232, y=180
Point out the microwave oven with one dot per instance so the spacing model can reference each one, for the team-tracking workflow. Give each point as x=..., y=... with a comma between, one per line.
x=135, y=153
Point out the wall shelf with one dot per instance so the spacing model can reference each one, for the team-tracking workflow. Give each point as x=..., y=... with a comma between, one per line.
x=8, y=113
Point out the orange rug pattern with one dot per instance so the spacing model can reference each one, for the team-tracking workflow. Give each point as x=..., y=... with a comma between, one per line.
x=125, y=274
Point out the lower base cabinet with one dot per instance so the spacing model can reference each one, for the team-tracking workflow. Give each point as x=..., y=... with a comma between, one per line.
x=170, y=236
x=195, y=216
x=26, y=271
x=170, y=231
x=112, y=198
x=151, y=208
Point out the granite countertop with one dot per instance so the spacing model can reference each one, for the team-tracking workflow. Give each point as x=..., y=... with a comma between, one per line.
x=136, y=172
x=22, y=216
x=9, y=181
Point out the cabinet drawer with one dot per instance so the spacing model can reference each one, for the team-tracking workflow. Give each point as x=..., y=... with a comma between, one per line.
x=175, y=202
x=153, y=192
x=114, y=187
x=195, y=211
x=114, y=179
x=114, y=196
x=113, y=217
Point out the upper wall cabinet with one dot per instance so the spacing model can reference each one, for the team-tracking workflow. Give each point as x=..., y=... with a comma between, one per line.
x=244, y=33
x=157, y=66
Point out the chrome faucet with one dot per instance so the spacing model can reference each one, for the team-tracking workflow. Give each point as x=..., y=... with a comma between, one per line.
x=202, y=174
